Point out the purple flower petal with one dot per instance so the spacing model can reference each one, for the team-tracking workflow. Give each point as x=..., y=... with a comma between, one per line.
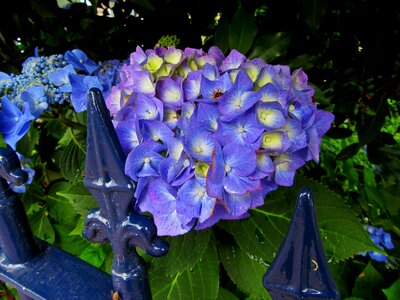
x=200, y=145
x=275, y=142
x=173, y=56
x=286, y=166
x=270, y=116
x=239, y=185
x=232, y=61
x=237, y=205
x=220, y=213
x=156, y=131
x=216, y=173
x=142, y=82
x=128, y=134
x=138, y=57
x=207, y=116
x=212, y=90
x=191, y=85
x=239, y=160
x=170, y=92
x=147, y=108
x=143, y=160
x=242, y=130
x=193, y=201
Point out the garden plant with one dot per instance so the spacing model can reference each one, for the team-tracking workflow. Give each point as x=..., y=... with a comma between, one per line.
x=224, y=111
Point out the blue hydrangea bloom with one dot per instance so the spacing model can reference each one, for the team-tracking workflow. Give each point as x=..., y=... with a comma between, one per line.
x=207, y=137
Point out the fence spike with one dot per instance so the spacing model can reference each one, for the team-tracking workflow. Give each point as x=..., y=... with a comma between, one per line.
x=300, y=269
x=115, y=221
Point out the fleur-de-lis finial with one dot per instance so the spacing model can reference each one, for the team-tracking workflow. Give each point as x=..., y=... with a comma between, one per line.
x=115, y=221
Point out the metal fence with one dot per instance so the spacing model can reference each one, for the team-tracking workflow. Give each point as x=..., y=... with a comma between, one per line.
x=41, y=271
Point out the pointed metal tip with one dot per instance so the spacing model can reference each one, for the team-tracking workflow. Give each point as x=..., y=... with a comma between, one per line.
x=300, y=269
x=305, y=199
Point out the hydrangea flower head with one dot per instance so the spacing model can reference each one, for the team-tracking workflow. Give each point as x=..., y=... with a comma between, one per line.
x=208, y=136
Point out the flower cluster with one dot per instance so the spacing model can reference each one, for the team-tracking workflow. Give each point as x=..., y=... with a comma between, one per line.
x=380, y=238
x=45, y=80
x=208, y=136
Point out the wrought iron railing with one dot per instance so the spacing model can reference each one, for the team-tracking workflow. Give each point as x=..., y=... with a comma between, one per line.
x=41, y=271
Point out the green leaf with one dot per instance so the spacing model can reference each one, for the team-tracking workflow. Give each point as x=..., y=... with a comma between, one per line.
x=244, y=271
x=200, y=281
x=94, y=255
x=368, y=127
x=306, y=62
x=28, y=142
x=185, y=250
x=73, y=244
x=80, y=225
x=271, y=46
x=224, y=294
x=56, y=128
x=65, y=140
x=344, y=275
x=368, y=284
x=81, y=199
x=349, y=151
x=144, y=4
x=261, y=235
x=314, y=11
x=41, y=226
x=393, y=292
x=71, y=158
x=242, y=31
x=60, y=209
x=221, y=37
x=2, y=142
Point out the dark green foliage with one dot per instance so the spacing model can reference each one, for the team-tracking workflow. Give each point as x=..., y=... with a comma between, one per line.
x=351, y=54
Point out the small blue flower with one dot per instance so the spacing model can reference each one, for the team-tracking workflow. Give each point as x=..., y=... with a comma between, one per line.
x=25, y=165
x=382, y=239
x=13, y=122
x=81, y=85
x=79, y=60
x=37, y=100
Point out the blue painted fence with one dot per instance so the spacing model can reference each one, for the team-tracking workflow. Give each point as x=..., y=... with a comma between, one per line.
x=40, y=271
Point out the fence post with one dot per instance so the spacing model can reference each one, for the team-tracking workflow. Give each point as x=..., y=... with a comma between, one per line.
x=115, y=221
x=300, y=269
x=17, y=242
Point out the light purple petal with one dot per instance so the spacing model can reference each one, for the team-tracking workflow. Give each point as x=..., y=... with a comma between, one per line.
x=200, y=145
x=142, y=82
x=239, y=160
x=216, y=173
x=270, y=116
x=286, y=166
x=191, y=85
x=156, y=131
x=239, y=185
x=232, y=61
x=170, y=92
x=128, y=134
x=220, y=213
x=237, y=205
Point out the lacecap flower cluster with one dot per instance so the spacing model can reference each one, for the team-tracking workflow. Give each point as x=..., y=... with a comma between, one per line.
x=45, y=80
x=208, y=136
